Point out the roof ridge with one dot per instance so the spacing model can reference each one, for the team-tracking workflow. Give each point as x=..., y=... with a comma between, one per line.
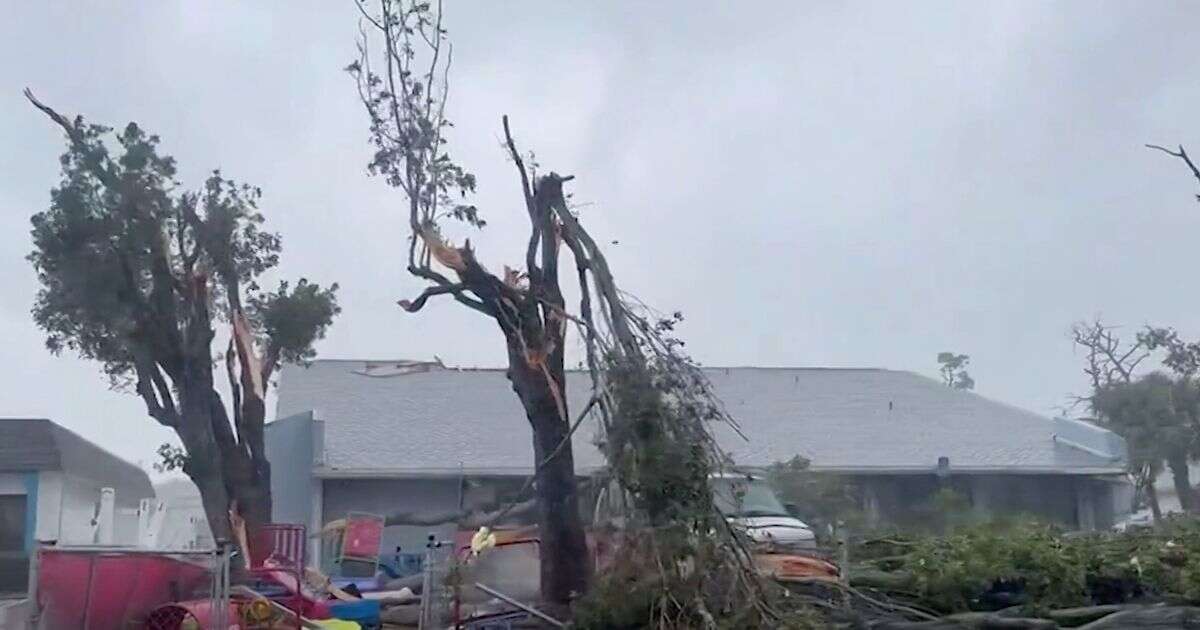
x=702, y=366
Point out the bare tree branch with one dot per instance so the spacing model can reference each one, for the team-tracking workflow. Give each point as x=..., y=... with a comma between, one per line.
x=417, y=304
x=1182, y=154
x=73, y=132
x=153, y=390
x=527, y=193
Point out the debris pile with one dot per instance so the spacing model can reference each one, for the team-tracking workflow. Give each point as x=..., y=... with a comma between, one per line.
x=1024, y=575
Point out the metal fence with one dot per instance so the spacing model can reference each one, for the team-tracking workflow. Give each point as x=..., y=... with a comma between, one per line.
x=114, y=588
x=437, y=597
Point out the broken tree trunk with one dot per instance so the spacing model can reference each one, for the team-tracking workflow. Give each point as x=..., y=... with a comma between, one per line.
x=560, y=528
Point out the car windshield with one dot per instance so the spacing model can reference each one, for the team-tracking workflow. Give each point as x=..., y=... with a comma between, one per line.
x=746, y=497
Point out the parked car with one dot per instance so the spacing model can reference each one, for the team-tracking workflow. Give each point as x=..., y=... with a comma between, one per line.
x=750, y=502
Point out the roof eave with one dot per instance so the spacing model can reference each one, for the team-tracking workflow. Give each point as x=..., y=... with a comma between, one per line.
x=432, y=473
x=1114, y=469
x=524, y=471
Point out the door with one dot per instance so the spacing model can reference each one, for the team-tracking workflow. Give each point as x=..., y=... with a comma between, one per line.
x=14, y=559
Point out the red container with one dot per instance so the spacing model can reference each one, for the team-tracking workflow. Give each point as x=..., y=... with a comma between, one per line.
x=108, y=590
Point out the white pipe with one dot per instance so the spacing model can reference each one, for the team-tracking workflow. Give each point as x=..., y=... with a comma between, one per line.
x=105, y=520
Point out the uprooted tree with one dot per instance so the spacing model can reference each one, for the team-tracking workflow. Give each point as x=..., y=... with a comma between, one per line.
x=653, y=406
x=135, y=275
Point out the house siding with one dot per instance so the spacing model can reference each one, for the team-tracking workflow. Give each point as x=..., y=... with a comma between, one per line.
x=289, y=445
x=1076, y=501
x=389, y=496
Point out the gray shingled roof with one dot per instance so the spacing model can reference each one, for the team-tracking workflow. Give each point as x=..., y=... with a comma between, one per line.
x=405, y=420
x=36, y=444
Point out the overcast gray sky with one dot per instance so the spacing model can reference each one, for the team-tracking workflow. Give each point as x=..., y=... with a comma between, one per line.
x=812, y=184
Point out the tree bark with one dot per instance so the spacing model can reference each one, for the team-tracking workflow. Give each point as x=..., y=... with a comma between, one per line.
x=1152, y=499
x=1178, y=463
x=248, y=473
x=205, y=463
x=222, y=468
x=565, y=561
x=249, y=483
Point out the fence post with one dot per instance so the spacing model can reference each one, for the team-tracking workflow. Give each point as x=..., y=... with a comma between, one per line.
x=35, y=611
x=425, y=621
x=843, y=543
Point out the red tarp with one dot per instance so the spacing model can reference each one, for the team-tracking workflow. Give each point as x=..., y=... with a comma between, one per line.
x=109, y=590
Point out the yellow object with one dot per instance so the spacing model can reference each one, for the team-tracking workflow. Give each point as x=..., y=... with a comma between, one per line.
x=339, y=624
x=258, y=611
x=483, y=540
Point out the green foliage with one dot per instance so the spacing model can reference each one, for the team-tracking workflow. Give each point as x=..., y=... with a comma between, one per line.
x=120, y=254
x=952, y=573
x=632, y=596
x=1181, y=357
x=406, y=107
x=618, y=601
x=94, y=247
x=1039, y=566
x=170, y=458
x=291, y=319
x=1156, y=414
x=954, y=370
x=227, y=226
x=665, y=472
x=682, y=564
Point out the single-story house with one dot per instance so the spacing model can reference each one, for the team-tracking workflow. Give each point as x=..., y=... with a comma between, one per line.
x=388, y=436
x=50, y=490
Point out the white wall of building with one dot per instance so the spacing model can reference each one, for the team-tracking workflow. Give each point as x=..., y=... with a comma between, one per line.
x=49, y=505
x=66, y=507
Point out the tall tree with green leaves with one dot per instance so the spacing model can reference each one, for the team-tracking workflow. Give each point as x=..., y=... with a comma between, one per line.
x=1157, y=416
x=1110, y=364
x=954, y=370
x=1158, y=413
x=136, y=273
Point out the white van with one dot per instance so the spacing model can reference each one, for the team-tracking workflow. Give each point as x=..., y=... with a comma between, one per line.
x=750, y=502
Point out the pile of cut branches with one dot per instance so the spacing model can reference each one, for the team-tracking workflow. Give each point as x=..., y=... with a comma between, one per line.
x=1027, y=575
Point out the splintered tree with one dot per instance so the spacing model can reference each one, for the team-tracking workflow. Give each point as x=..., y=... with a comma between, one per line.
x=135, y=274
x=406, y=108
x=652, y=404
